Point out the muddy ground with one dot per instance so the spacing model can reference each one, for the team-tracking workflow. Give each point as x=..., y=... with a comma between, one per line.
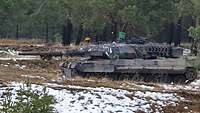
x=39, y=72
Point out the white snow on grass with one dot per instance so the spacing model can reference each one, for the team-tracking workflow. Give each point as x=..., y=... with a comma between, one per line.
x=195, y=83
x=20, y=66
x=146, y=87
x=13, y=55
x=33, y=77
x=77, y=99
x=193, y=86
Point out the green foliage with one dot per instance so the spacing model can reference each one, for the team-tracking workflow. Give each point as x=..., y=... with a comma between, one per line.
x=196, y=5
x=153, y=14
x=186, y=7
x=56, y=38
x=194, y=33
x=148, y=16
x=196, y=63
x=28, y=100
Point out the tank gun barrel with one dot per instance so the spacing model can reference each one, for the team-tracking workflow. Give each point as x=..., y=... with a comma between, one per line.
x=47, y=55
x=42, y=53
x=75, y=52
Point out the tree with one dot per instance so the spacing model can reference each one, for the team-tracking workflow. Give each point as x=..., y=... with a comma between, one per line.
x=99, y=18
x=195, y=34
x=67, y=32
x=196, y=5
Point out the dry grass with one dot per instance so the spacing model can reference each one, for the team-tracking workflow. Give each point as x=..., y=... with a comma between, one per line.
x=47, y=69
x=32, y=45
x=18, y=42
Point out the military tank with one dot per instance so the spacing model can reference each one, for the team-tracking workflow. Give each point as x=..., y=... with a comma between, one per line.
x=148, y=63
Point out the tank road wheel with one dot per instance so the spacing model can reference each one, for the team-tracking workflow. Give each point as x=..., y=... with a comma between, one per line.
x=120, y=77
x=142, y=78
x=136, y=77
x=148, y=77
x=179, y=79
x=126, y=77
x=82, y=74
x=156, y=78
x=190, y=74
x=165, y=78
x=68, y=73
x=113, y=76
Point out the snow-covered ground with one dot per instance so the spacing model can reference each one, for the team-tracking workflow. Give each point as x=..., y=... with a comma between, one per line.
x=33, y=77
x=77, y=99
x=194, y=86
x=13, y=55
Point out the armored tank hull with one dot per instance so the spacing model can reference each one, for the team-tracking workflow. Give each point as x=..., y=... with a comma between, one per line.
x=165, y=70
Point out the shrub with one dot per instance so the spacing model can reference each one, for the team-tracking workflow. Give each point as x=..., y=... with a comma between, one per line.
x=196, y=63
x=56, y=38
x=28, y=100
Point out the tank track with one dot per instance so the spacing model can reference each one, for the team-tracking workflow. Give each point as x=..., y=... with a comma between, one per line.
x=186, y=78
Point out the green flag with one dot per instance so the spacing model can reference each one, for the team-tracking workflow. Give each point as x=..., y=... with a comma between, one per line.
x=122, y=36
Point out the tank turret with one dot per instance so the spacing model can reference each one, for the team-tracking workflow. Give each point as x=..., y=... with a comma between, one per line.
x=127, y=51
x=115, y=50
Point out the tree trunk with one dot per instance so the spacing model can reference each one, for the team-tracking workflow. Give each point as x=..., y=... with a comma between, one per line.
x=171, y=33
x=17, y=31
x=64, y=36
x=197, y=21
x=30, y=32
x=67, y=33
x=47, y=33
x=104, y=34
x=114, y=31
x=178, y=32
x=70, y=30
x=80, y=35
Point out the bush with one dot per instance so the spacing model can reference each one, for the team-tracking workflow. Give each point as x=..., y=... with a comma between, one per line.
x=196, y=63
x=193, y=61
x=56, y=38
x=28, y=100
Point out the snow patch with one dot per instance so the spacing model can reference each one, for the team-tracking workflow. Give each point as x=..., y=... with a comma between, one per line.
x=13, y=55
x=195, y=83
x=33, y=77
x=20, y=66
x=146, y=87
x=193, y=86
x=73, y=99
x=5, y=65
